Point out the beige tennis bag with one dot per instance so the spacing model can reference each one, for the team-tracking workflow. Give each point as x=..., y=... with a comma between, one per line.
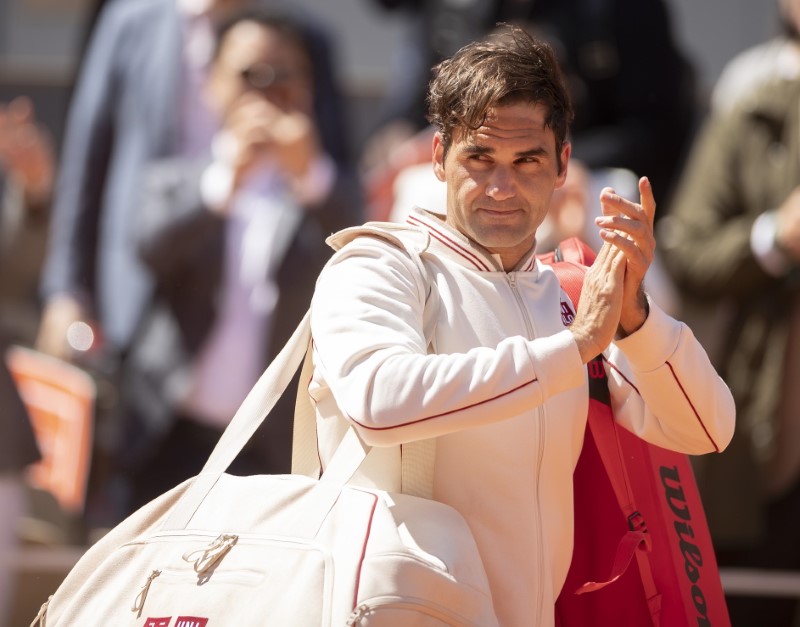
x=288, y=551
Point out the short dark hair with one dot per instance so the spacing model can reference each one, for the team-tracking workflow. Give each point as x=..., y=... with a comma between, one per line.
x=507, y=67
x=280, y=21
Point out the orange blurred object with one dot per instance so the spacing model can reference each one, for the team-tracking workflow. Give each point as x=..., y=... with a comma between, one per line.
x=60, y=400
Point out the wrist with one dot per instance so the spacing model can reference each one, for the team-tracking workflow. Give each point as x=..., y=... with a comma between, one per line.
x=767, y=247
x=633, y=319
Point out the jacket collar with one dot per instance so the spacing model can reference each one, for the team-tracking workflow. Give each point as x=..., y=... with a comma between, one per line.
x=773, y=100
x=454, y=245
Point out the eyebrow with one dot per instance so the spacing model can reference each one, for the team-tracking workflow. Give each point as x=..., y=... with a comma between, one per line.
x=474, y=149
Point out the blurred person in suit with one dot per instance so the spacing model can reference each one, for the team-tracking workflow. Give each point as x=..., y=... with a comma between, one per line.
x=235, y=241
x=138, y=98
x=26, y=177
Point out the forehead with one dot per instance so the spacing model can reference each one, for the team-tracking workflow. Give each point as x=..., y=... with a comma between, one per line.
x=519, y=122
x=250, y=42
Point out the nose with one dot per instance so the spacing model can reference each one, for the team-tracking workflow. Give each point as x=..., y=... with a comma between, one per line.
x=500, y=185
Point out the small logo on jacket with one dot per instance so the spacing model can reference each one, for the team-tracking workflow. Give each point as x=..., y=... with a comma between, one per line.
x=158, y=622
x=567, y=315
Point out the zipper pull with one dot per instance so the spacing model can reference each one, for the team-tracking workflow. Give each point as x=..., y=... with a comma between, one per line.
x=138, y=604
x=212, y=554
x=357, y=615
x=41, y=617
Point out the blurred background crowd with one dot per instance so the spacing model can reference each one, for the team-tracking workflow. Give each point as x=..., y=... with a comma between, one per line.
x=169, y=170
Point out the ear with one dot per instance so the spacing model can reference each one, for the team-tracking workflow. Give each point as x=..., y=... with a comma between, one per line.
x=438, y=156
x=566, y=151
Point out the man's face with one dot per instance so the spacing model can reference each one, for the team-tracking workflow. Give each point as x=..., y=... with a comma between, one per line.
x=257, y=61
x=500, y=178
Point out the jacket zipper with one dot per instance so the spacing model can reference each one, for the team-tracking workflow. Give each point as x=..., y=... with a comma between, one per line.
x=531, y=330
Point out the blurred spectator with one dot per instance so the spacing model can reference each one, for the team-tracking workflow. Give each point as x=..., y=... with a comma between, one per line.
x=235, y=241
x=778, y=57
x=631, y=86
x=138, y=98
x=17, y=450
x=732, y=240
x=26, y=182
x=26, y=176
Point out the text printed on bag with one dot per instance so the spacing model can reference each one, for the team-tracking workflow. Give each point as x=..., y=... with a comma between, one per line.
x=181, y=621
x=692, y=555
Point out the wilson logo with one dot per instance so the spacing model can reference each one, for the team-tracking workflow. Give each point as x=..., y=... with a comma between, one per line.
x=692, y=555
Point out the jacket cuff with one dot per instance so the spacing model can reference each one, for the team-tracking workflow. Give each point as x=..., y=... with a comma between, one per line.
x=654, y=343
x=557, y=362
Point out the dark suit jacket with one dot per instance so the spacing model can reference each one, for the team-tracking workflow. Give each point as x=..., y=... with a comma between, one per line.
x=183, y=244
x=124, y=114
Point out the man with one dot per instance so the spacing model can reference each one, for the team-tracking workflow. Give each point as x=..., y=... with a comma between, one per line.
x=631, y=84
x=497, y=380
x=138, y=98
x=26, y=171
x=235, y=242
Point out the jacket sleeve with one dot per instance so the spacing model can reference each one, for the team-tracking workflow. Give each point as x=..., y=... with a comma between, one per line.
x=665, y=390
x=370, y=350
x=706, y=236
x=71, y=262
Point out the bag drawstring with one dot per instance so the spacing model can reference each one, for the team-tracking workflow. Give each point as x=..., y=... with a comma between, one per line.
x=41, y=617
x=138, y=604
x=211, y=554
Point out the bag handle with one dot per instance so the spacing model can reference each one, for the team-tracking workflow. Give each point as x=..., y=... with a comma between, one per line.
x=251, y=413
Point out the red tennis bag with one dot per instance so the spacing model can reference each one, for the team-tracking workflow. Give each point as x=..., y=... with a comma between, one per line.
x=643, y=553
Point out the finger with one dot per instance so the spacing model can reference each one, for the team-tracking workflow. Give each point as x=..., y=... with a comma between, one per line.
x=605, y=256
x=648, y=201
x=614, y=204
x=639, y=255
x=605, y=206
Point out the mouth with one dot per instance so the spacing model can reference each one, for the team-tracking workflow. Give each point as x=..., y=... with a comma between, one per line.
x=500, y=213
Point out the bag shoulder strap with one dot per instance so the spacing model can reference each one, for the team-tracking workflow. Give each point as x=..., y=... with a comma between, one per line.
x=417, y=458
x=570, y=262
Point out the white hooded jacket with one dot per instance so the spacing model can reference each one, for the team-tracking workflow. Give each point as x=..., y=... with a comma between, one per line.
x=499, y=382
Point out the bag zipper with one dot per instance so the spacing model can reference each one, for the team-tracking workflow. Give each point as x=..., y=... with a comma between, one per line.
x=404, y=603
